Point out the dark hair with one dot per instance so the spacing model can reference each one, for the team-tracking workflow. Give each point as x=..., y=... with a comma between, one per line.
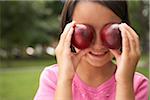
x=119, y=7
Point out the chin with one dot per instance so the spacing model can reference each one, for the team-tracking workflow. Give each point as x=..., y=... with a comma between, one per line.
x=98, y=64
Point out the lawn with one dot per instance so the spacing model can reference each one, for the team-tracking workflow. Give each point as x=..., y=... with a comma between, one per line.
x=27, y=63
x=21, y=83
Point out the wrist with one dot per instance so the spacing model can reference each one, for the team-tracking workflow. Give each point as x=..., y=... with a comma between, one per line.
x=63, y=82
x=124, y=78
x=125, y=83
x=65, y=78
x=125, y=91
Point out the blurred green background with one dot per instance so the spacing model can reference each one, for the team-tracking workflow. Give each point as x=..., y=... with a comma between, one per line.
x=29, y=32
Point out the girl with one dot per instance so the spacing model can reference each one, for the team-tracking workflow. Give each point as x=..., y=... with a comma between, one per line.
x=90, y=74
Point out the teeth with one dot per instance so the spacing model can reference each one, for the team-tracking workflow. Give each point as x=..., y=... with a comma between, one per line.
x=97, y=53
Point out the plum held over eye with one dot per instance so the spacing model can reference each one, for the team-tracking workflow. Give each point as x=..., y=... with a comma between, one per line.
x=110, y=36
x=82, y=36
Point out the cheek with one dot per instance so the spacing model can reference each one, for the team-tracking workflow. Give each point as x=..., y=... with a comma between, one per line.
x=111, y=56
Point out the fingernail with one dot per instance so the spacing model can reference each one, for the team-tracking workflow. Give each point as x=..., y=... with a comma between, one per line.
x=122, y=24
x=73, y=24
x=73, y=21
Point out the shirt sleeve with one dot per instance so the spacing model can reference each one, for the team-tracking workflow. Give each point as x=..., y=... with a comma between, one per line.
x=47, y=85
x=141, y=92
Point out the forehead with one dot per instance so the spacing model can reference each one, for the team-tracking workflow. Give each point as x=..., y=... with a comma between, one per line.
x=94, y=13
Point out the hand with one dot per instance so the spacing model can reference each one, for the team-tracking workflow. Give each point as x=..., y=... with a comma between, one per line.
x=67, y=61
x=128, y=59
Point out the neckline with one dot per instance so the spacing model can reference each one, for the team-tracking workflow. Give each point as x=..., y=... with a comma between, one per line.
x=81, y=84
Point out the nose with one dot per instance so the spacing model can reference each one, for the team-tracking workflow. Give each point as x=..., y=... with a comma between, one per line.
x=97, y=43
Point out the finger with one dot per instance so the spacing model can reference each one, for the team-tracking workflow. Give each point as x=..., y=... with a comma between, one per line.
x=116, y=53
x=131, y=30
x=125, y=40
x=67, y=42
x=69, y=35
x=82, y=53
x=131, y=38
x=65, y=32
x=134, y=34
x=60, y=45
x=68, y=26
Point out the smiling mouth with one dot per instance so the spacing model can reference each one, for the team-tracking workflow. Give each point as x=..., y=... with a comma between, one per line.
x=97, y=54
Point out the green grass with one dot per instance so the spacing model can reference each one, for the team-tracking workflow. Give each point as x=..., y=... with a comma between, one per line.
x=20, y=80
x=19, y=85
x=27, y=63
x=144, y=71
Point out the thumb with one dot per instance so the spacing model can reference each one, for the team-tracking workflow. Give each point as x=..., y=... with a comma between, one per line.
x=82, y=53
x=116, y=53
x=77, y=56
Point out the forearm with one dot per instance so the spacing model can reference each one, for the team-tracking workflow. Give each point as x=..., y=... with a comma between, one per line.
x=63, y=90
x=125, y=91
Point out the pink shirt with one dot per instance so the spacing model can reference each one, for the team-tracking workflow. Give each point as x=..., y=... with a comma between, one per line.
x=82, y=91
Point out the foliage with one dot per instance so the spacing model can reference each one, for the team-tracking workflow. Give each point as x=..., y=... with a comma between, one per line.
x=139, y=17
x=28, y=23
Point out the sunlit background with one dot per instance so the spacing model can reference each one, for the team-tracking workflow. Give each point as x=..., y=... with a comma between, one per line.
x=29, y=33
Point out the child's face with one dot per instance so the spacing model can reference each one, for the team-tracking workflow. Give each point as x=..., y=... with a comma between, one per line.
x=96, y=15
